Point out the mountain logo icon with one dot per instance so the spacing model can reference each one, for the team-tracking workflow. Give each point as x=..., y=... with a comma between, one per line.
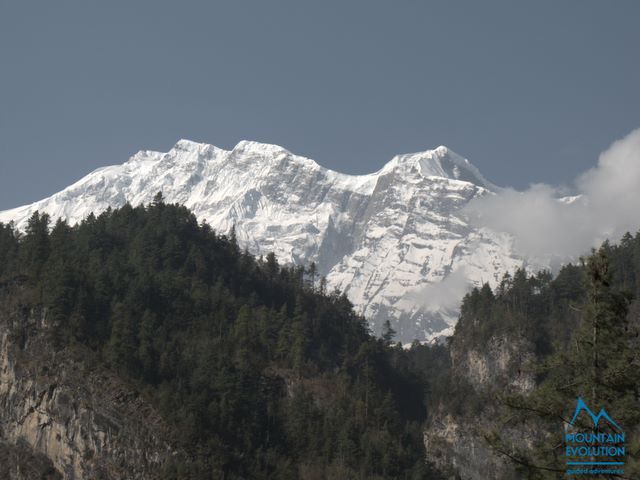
x=582, y=406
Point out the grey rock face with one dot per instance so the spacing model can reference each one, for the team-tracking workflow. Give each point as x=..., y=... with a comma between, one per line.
x=455, y=441
x=84, y=420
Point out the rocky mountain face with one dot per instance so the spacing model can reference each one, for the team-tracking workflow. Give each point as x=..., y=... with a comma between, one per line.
x=395, y=241
x=62, y=417
x=455, y=434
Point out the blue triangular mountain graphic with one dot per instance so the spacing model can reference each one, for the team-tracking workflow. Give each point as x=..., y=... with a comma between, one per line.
x=595, y=418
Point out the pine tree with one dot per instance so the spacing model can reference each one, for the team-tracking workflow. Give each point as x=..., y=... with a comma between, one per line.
x=299, y=337
x=8, y=249
x=158, y=200
x=146, y=352
x=122, y=345
x=312, y=271
x=272, y=266
x=322, y=289
x=35, y=245
x=243, y=336
x=387, y=332
x=233, y=241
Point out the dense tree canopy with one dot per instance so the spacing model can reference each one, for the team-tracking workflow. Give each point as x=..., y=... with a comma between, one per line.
x=262, y=373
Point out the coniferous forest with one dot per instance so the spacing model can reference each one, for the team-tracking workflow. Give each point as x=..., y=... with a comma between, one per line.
x=262, y=373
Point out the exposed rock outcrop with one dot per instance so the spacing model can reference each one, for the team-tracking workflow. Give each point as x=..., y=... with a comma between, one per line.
x=455, y=438
x=86, y=421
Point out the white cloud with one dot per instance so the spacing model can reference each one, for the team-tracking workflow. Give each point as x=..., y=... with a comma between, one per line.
x=544, y=226
x=444, y=295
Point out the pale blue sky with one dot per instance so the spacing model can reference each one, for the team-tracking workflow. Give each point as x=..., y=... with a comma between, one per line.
x=528, y=91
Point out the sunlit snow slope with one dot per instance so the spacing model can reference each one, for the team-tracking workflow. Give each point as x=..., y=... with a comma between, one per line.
x=395, y=241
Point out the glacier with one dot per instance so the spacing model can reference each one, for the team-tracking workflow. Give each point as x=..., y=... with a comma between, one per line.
x=396, y=241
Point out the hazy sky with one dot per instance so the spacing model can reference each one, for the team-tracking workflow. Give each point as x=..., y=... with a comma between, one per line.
x=529, y=91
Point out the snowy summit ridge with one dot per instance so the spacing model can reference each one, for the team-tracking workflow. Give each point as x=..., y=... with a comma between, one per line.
x=395, y=241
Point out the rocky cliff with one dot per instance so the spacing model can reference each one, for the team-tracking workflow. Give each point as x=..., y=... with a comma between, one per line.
x=455, y=434
x=76, y=419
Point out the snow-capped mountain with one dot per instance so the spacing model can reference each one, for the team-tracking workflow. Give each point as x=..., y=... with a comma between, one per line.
x=396, y=241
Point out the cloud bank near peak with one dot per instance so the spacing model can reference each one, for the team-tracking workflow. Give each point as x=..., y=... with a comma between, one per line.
x=547, y=225
x=444, y=295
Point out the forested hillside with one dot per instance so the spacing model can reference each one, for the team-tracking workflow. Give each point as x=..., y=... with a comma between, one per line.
x=259, y=371
x=521, y=356
x=256, y=371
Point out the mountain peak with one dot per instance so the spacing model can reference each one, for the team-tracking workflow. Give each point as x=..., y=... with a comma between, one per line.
x=442, y=150
x=187, y=145
x=439, y=162
x=260, y=148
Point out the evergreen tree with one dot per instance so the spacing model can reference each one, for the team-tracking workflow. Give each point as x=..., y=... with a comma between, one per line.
x=158, y=200
x=8, y=250
x=312, y=272
x=35, y=245
x=387, y=332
